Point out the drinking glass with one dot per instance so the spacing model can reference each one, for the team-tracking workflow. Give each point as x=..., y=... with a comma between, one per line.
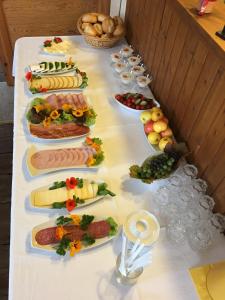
x=176, y=231
x=200, y=238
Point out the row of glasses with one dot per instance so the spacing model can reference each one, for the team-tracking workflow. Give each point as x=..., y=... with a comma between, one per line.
x=130, y=70
x=187, y=210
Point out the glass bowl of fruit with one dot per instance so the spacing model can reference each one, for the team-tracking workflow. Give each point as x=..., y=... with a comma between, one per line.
x=135, y=102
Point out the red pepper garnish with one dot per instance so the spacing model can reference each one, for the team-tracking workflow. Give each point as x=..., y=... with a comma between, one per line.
x=43, y=90
x=71, y=183
x=28, y=76
x=57, y=40
x=70, y=204
x=47, y=43
x=88, y=141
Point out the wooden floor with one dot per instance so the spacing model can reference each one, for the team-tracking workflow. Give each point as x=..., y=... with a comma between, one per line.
x=6, y=145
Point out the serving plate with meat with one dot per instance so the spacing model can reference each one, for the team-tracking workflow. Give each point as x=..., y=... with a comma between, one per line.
x=74, y=233
x=60, y=116
x=70, y=194
x=84, y=155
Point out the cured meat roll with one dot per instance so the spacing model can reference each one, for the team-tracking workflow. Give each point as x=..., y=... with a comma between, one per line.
x=95, y=230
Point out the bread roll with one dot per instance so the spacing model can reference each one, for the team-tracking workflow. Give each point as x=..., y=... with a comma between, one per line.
x=119, y=30
x=84, y=25
x=108, y=25
x=101, y=17
x=89, y=18
x=98, y=28
x=89, y=29
x=118, y=20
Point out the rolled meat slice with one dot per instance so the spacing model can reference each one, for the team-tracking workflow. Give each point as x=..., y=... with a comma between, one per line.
x=52, y=101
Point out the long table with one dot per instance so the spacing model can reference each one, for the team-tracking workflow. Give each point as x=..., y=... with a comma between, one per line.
x=36, y=274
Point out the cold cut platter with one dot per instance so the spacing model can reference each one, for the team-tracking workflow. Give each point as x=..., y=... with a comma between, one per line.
x=86, y=155
x=74, y=233
x=70, y=194
x=60, y=116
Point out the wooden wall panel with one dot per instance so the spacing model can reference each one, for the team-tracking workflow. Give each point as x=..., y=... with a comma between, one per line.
x=40, y=18
x=189, y=81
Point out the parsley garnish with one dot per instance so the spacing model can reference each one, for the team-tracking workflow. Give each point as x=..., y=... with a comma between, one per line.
x=102, y=190
x=87, y=240
x=57, y=185
x=62, y=246
x=63, y=220
x=85, y=221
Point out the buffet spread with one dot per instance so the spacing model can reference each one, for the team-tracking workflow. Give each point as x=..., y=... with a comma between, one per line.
x=81, y=141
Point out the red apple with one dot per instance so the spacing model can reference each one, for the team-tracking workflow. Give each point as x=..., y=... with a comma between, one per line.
x=167, y=132
x=148, y=127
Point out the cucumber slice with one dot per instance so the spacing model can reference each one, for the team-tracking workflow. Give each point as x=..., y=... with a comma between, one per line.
x=63, y=65
x=57, y=65
x=143, y=102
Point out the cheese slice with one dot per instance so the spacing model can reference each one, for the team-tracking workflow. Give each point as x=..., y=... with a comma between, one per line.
x=48, y=197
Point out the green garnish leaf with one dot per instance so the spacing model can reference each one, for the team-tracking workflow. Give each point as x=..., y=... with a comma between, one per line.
x=63, y=220
x=113, y=226
x=87, y=240
x=102, y=190
x=62, y=246
x=78, y=200
x=57, y=185
x=80, y=183
x=97, y=141
x=67, y=117
x=58, y=205
x=99, y=157
x=85, y=221
x=90, y=117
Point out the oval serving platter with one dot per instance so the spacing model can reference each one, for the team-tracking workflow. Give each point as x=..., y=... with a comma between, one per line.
x=51, y=223
x=43, y=188
x=39, y=139
x=133, y=109
x=35, y=172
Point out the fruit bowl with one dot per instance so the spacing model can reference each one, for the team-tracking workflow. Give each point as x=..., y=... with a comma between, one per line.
x=156, y=129
x=135, y=102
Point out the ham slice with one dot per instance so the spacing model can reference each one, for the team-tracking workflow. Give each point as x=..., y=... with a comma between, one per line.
x=54, y=131
x=75, y=100
x=60, y=158
x=96, y=230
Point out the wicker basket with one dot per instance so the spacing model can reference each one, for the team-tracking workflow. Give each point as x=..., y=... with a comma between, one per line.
x=98, y=42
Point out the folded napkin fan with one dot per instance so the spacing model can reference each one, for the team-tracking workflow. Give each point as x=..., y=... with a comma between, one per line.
x=209, y=281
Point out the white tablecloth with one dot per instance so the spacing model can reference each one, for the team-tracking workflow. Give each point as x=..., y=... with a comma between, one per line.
x=89, y=275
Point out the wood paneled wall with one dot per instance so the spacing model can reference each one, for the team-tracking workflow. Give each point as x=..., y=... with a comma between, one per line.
x=40, y=18
x=189, y=82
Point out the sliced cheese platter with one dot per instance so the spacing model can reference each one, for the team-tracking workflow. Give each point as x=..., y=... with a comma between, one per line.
x=70, y=194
